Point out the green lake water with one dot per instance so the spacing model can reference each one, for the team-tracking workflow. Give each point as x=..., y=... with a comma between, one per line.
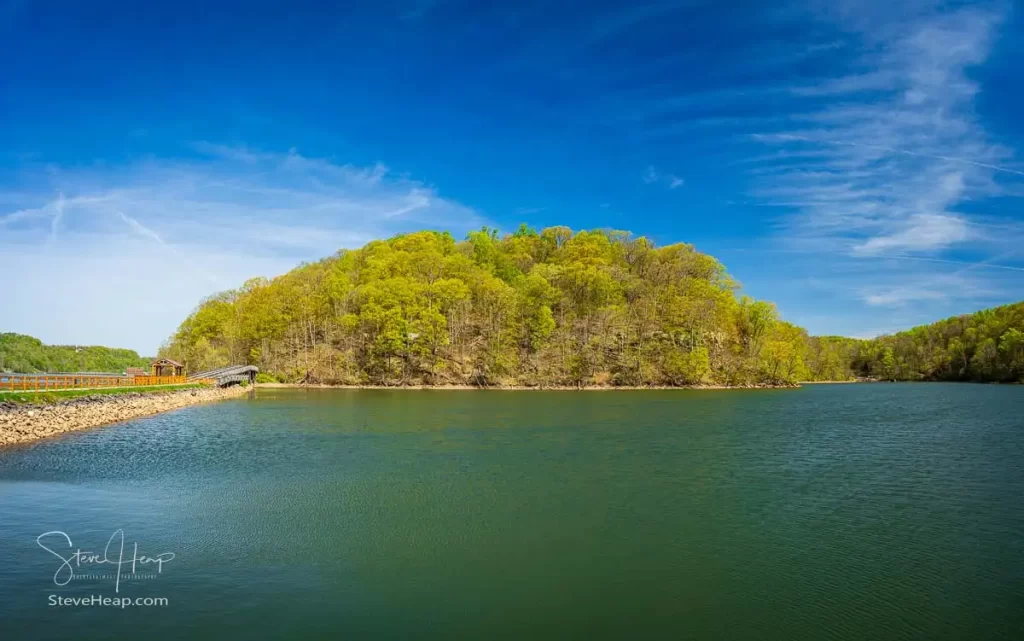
x=884, y=511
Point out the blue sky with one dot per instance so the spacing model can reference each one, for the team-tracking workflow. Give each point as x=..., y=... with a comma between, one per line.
x=859, y=163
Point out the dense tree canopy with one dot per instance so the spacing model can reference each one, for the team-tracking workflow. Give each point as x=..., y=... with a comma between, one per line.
x=984, y=346
x=19, y=353
x=540, y=309
x=536, y=309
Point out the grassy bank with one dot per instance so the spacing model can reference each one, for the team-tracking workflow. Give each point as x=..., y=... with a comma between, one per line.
x=48, y=397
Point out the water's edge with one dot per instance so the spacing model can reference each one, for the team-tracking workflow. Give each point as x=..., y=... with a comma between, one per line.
x=535, y=388
x=26, y=423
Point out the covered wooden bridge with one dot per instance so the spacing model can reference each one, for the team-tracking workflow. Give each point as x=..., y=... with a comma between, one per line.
x=230, y=375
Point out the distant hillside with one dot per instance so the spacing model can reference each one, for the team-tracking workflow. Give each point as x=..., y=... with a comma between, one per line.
x=984, y=346
x=25, y=354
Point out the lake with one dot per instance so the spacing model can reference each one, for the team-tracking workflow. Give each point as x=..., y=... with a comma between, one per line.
x=880, y=511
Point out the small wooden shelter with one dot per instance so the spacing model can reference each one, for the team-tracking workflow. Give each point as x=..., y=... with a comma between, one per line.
x=167, y=367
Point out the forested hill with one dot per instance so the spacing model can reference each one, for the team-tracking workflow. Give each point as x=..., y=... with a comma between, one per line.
x=24, y=354
x=984, y=346
x=548, y=308
x=535, y=309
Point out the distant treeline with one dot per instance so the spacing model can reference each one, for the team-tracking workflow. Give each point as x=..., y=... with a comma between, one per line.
x=28, y=355
x=987, y=346
x=554, y=307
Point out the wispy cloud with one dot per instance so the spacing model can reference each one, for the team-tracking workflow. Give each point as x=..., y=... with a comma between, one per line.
x=903, y=295
x=893, y=148
x=58, y=214
x=881, y=174
x=925, y=288
x=141, y=229
x=190, y=227
x=652, y=176
x=229, y=152
x=922, y=232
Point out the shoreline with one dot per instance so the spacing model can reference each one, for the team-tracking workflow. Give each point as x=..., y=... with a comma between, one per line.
x=524, y=388
x=22, y=423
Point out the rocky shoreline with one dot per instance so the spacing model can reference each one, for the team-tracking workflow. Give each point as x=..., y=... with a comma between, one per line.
x=22, y=422
x=538, y=388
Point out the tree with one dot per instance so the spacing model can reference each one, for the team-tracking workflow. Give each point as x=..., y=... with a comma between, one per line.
x=985, y=363
x=687, y=367
x=889, y=364
x=1011, y=344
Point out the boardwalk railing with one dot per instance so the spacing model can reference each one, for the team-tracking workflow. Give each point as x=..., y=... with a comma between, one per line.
x=36, y=382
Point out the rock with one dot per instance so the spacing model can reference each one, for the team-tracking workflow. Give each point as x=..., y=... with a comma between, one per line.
x=21, y=423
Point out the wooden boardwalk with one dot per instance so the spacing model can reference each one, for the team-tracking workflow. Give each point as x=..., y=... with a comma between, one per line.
x=222, y=377
x=41, y=382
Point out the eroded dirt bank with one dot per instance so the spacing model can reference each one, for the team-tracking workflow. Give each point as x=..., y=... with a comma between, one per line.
x=21, y=423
